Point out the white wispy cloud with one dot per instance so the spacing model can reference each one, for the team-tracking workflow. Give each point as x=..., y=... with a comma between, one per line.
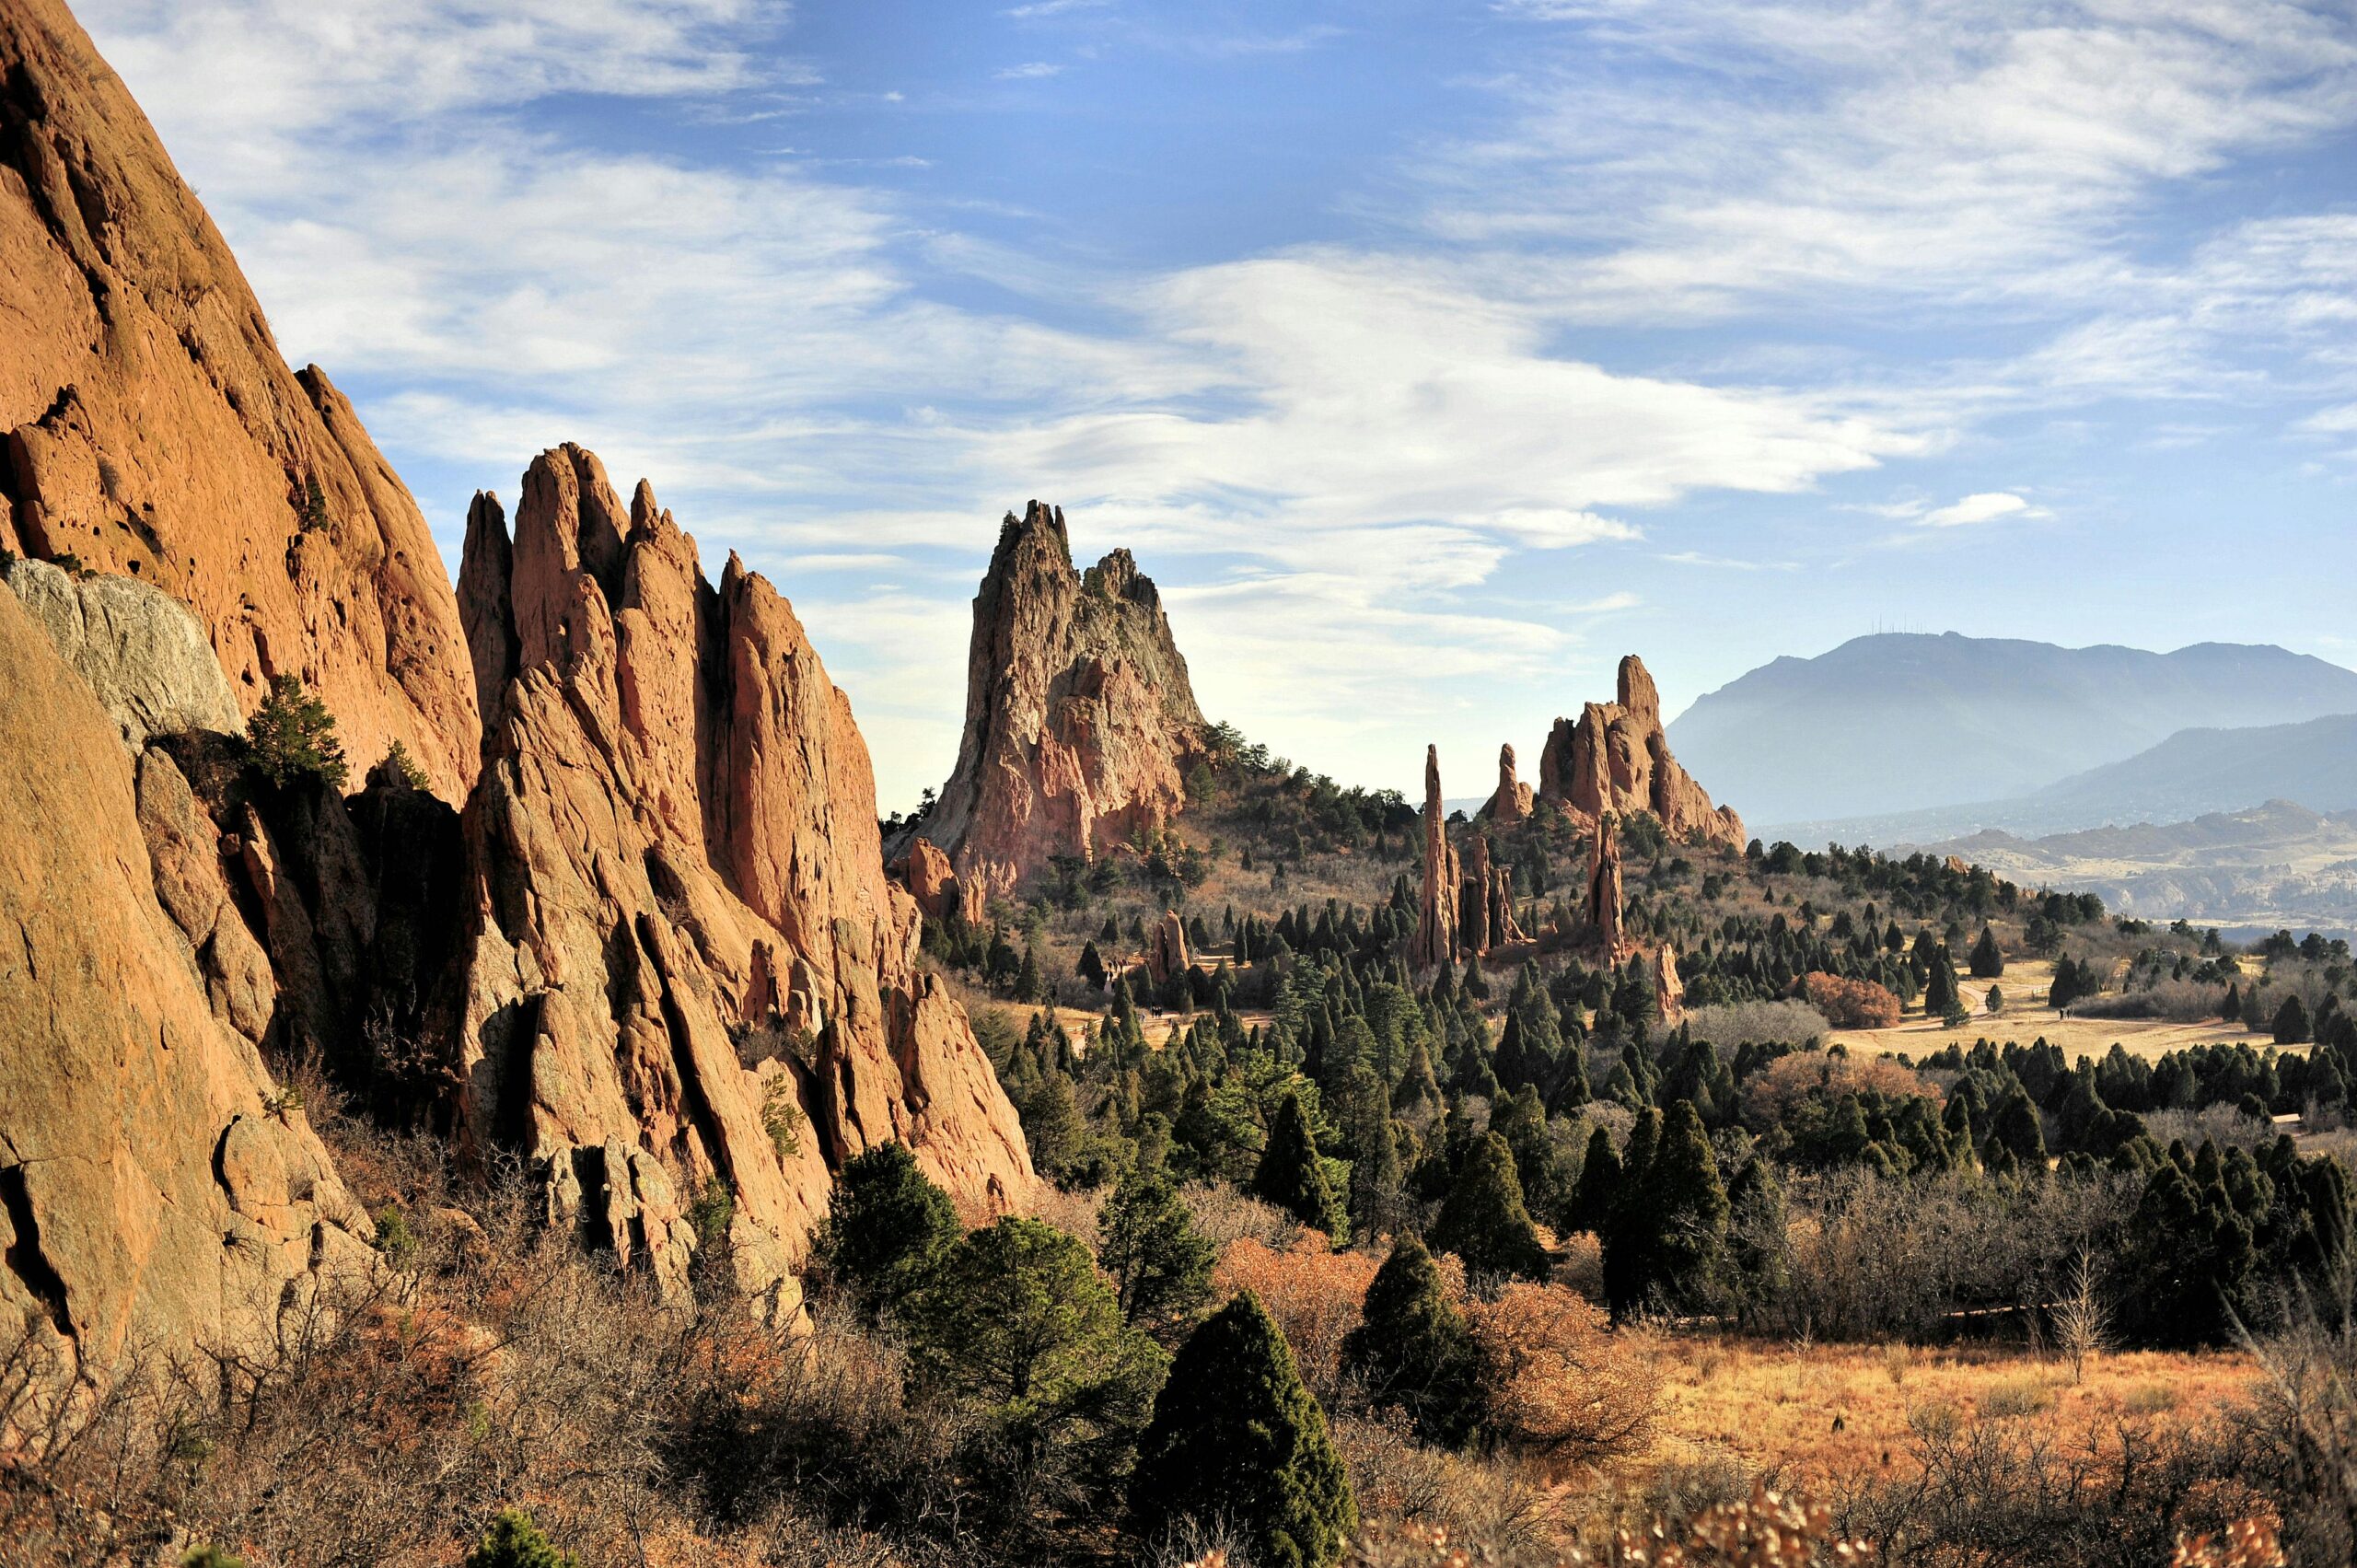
x=1988, y=507
x=1033, y=71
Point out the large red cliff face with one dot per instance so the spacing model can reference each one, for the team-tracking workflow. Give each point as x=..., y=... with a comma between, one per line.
x=157, y=1196
x=1616, y=759
x=684, y=941
x=150, y=428
x=1080, y=723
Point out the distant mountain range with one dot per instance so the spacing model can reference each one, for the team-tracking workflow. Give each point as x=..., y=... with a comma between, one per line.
x=1884, y=727
x=2279, y=864
x=2192, y=773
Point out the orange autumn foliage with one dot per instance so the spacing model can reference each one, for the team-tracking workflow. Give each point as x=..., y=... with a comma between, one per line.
x=1557, y=1378
x=1777, y=1089
x=1850, y=1004
x=1316, y=1294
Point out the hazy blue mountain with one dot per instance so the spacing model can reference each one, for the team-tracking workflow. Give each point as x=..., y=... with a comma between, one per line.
x=1896, y=722
x=2192, y=773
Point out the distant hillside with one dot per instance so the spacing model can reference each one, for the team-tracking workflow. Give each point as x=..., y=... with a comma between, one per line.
x=2276, y=865
x=1898, y=723
x=2192, y=773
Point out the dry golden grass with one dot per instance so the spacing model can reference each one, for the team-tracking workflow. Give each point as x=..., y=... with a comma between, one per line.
x=1815, y=1413
x=2025, y=1020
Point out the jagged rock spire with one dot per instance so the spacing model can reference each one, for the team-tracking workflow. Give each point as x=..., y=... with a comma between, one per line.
x=1436, y=928
x=1080, y=720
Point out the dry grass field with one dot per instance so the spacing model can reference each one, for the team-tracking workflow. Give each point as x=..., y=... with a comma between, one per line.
x=1820, y=1415
x=2025, y=1020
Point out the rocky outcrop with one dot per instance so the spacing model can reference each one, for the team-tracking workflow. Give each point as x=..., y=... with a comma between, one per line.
x=157, y=1193
x=1165, y=949
x=1669, y=990
x=1604, y=893
x=1437, y=921
x=150, y=428
x=688, y=974
x=925, y=871
x=1513, y=800
x=1080, y=722
x=138, y=649
x=1615, y=758
x=1487, y=902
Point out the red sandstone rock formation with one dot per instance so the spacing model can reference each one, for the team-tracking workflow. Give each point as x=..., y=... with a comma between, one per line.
x=151, y=428
x=156, y=1192
x=1080, y=723
x=925, y=871
x=683, y=928
x=1604, y=899
x=1513, y=801
x=1487, y=902
x=1165, y=952
x=1669, y=990
x=1617, y=759
x=1436, y=927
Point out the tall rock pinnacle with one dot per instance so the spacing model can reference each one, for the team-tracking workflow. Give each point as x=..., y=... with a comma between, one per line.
x=1080, y=722
x=683, y=924
x=1437, y=925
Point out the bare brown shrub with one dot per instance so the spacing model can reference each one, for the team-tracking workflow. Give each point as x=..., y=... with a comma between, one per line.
x=1316, y=1294
x=1557, y=1378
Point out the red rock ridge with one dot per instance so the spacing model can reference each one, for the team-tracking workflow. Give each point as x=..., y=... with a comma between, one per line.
x=1616, y=758
x=684, y=937
x=1080, y=722
x=151, y=427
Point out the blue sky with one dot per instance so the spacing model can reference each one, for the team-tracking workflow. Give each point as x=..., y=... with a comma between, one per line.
x=1430, y=356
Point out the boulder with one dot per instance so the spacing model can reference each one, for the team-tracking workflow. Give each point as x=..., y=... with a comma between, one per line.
x=150, y=428
x=1615, y=758
x=675, y=863
x=138, y=649
x=159, y=1193
x=1080, y=722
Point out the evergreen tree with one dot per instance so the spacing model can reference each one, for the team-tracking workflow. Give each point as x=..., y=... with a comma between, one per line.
x=1160, y=1265
x=1091, y=967
x=2016, y=1129
x=1987, y=962
x=1292, y=1177
x=1016, y=1324
x=1599, y=1186
x=1412, y=1348
x=292, y=736
x=1376, y=1206
x=515, y=1541
x=1054, y=1127
x=887, y=1226
x=1667, y=1235
x=1484, y=1221
x=1236, y=1436
x=2291, y=1025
